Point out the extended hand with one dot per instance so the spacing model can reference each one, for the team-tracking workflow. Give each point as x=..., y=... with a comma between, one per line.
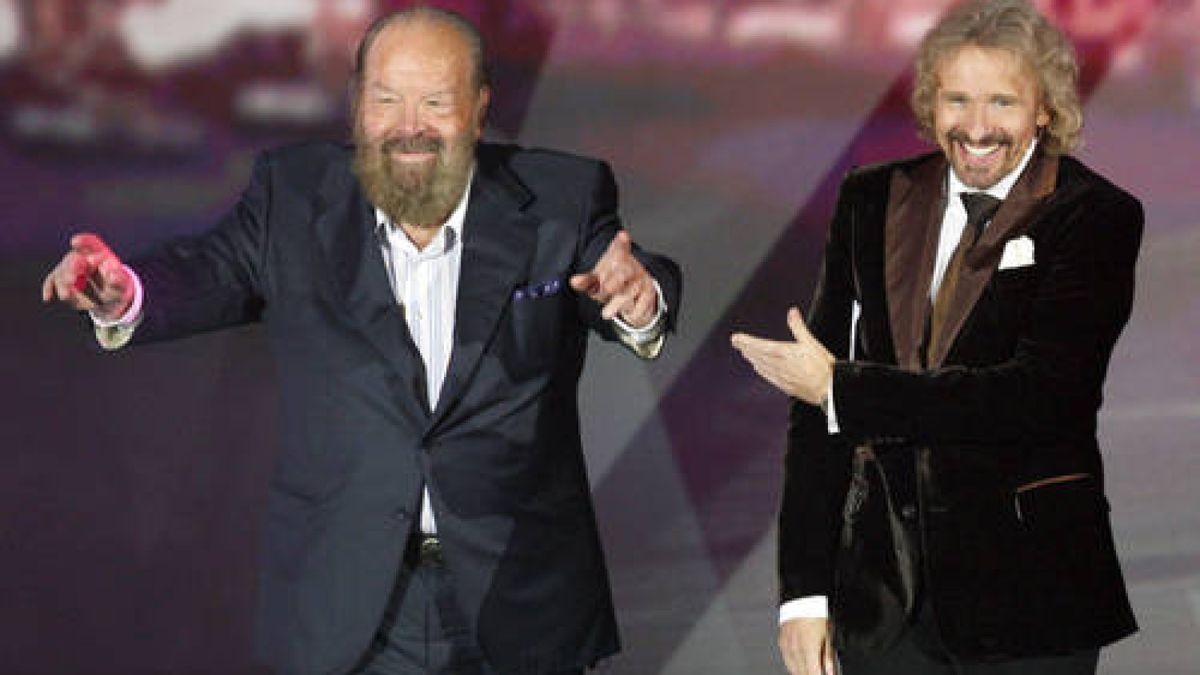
x=802, y=369
x=621, y=284
x=804, y=645
x=90, y=277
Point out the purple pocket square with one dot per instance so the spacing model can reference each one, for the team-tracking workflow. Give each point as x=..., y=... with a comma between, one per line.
x=539, y=290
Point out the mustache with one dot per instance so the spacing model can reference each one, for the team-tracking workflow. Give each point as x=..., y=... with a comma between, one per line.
x=413, y=143
x=991, y=138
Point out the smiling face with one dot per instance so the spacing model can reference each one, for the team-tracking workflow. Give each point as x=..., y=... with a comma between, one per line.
x=986, y=113
x=418, y=116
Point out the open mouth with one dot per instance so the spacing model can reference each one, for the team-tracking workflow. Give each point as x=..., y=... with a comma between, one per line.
x=979, y=157
x=412, y=150
x=979, y=153
x=980, y=150
x=413, y=157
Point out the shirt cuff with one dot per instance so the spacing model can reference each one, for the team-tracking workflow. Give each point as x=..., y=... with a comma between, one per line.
x=114, y=334
x=131, y=315
x=830, y=412
x=641, y=336
x=808, y=607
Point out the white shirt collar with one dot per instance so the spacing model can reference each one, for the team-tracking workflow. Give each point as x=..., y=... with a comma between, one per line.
x=1002, y=187
x=447, y=237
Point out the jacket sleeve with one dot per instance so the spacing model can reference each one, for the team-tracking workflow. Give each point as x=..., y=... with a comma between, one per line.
x=214, y=279
x=817, y=465
x=601, y=223
x=1050, y=387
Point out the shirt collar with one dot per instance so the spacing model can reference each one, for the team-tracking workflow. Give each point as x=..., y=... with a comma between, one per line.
x=1002, y=187
x=448, y=236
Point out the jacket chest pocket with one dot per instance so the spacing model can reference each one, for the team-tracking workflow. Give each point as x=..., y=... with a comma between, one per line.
x=532, y=332
x=1013, y=289
x=1004, y=308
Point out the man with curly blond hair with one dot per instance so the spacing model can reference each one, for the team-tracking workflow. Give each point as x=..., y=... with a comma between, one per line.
x=944, y=507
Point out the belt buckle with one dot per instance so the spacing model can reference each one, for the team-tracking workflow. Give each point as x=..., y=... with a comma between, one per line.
x=431, y=550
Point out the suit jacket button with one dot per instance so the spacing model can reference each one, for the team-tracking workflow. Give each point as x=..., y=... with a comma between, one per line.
x=909, y=512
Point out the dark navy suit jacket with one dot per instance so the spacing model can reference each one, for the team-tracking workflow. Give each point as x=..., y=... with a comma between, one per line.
x=500, y=452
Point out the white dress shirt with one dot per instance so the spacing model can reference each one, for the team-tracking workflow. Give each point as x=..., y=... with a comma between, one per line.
x=954, y=219
x=425, y=283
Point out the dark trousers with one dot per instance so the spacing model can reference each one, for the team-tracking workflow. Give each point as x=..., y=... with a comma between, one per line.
x=424, y=632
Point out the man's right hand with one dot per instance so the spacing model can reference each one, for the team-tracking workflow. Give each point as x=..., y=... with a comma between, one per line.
x=90, y=277
x=804, y=644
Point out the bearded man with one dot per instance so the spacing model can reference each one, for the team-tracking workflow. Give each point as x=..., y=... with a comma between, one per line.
x=944, y=507
x=427, y=298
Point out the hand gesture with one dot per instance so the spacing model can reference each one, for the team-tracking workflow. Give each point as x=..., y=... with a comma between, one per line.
x=90, y=277
x=805, y=647
x=620, y=284
x=802, y=369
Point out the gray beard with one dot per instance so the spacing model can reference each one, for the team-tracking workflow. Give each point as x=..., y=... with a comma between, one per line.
x=420, y=197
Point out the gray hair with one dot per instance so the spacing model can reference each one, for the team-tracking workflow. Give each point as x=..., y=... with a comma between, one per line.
x=452, y=20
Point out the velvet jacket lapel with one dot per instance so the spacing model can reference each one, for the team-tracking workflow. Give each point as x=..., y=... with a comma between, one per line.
x=499, y=240
x=916, y=199
x=1016, y=213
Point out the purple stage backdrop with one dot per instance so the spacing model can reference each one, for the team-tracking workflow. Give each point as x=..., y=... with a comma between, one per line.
x=132, y=483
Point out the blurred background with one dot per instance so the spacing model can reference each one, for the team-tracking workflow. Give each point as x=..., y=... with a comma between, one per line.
x=132, y=483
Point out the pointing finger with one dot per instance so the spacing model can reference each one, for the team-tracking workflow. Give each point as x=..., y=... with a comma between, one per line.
x=87, y=243
x=588, y=283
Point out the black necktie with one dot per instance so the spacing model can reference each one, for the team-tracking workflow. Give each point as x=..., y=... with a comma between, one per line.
x=980, y=208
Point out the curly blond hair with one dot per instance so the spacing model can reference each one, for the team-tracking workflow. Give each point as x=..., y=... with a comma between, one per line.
x=1014, y=26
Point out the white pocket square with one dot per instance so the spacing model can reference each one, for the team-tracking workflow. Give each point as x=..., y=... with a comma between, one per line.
x=1017, y=253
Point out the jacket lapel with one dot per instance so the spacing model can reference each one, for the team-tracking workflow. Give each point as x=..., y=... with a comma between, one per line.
x=498, y=241
x=1012, y=220
x=345, y=227
x=916, y=199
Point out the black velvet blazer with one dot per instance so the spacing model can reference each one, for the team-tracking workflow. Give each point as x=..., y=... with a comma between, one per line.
x=1017, y=550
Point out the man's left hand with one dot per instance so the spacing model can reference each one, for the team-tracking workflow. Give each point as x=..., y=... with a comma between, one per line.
x=802, y=369
x=620, y=284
